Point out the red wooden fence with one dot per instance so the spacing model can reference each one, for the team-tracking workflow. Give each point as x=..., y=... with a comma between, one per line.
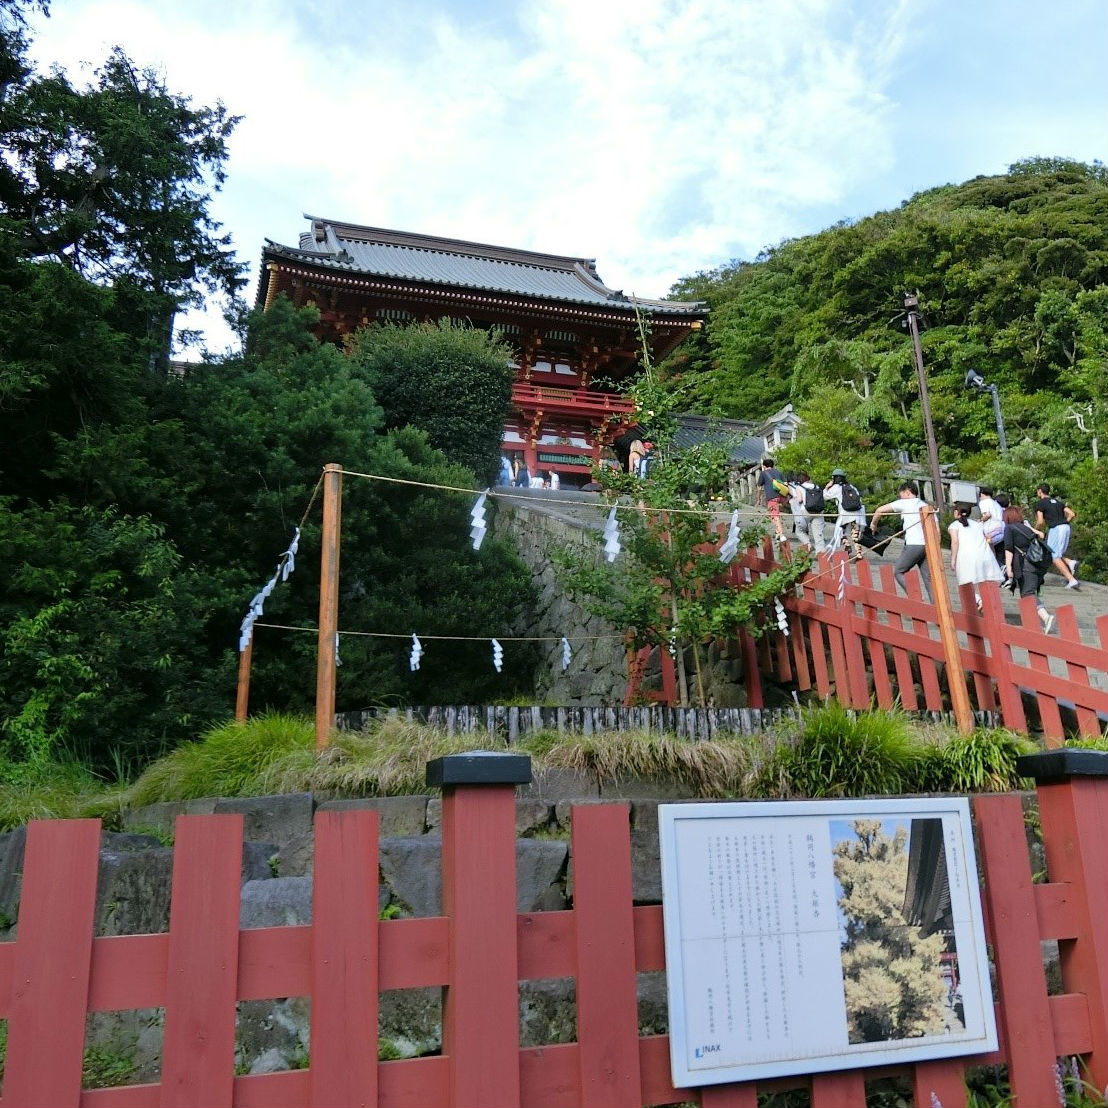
x=478, y=950
x=864, y=642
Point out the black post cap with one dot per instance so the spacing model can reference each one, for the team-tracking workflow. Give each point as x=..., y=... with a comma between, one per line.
x=1058, y=765
x=479, y=767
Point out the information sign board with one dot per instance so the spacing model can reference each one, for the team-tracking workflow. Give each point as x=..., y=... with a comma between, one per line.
x=809, y=936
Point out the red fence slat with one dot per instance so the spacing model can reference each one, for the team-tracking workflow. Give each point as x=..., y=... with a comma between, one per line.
x=53, y=953
x=480, y=1024
x=845, y=1089
x=1008, y=693
x=882, y=686
x=607, y=1001
x=1068, y=632
x=1021, y=980
x=198, y=1052
x=1049, y=716
x=729, y=1096
x=1074, y=815
x=941, y=1081
x=344, y=962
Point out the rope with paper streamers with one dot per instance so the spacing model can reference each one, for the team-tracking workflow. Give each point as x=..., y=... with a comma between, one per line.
x=417, y=651
x=502, y=493
x=286, y=564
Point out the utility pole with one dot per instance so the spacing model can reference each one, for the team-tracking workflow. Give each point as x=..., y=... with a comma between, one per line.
x=911, y=302
x=328, y=605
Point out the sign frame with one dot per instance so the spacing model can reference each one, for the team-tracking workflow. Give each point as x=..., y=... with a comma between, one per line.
x=769, y=958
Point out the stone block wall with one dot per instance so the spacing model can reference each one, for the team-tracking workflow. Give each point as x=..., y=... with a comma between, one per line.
x=598, y=672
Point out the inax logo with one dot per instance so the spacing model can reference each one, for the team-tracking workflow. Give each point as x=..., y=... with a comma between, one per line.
x=708, y=1048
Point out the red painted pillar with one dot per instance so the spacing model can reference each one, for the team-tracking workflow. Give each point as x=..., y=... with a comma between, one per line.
x=480, y=1019
x=1072, y=787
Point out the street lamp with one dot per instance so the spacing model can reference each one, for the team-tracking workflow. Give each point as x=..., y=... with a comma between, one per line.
x=975, y=381
x=911, y=302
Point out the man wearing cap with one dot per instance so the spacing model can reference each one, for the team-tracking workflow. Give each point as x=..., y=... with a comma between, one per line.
x=852, y=513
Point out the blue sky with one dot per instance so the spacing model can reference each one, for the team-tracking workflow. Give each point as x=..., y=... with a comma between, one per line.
x=661, y=137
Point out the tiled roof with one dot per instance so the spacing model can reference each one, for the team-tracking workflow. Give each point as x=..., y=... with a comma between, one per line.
x=423, y=258
x=692, y=430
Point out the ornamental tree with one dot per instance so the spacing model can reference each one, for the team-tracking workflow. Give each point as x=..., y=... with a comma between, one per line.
x=447, y=379
x=890, y=970
x=668, y=588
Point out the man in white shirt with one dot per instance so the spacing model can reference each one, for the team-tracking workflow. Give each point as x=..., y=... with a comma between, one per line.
x=908, y=506
x=809, y=521
x=992, y=520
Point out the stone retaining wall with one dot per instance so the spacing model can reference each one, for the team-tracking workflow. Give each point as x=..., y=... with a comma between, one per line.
x=597, y=674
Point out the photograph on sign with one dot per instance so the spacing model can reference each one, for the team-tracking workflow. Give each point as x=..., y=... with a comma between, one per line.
x=809, y=936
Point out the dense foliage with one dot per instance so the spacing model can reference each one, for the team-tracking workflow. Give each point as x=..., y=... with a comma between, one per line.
x=444, y=379
x=891, y=982
x=1012, y=274
x=141, y=510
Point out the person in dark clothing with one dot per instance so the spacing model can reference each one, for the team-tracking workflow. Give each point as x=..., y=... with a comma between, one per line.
x=771, y=496
x=1018, y=535
x=1054, y=518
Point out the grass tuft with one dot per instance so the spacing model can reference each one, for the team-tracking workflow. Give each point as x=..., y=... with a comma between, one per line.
x=838, y=752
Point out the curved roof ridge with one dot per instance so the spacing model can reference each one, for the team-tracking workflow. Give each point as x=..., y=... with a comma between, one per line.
x=441, y=245
x=400, y=255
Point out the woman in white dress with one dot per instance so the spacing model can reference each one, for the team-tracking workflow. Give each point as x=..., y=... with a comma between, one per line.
x=971, y=556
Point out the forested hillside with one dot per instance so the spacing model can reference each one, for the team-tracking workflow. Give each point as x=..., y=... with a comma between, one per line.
x=1012, y=273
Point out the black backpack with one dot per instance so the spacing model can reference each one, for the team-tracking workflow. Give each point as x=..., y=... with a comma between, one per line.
x=1038, y=553
x=851, y=499
x=813, y=500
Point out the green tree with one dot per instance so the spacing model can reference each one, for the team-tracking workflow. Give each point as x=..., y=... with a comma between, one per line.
x=831, y=436
x=452, y=381
x=115, y=181
x=101, y=639
x=890, y=971
x=668, y=589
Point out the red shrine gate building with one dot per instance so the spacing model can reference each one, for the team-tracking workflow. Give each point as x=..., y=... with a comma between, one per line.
x=575, y=339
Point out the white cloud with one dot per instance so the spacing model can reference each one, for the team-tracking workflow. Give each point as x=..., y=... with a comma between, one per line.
x=659, y=136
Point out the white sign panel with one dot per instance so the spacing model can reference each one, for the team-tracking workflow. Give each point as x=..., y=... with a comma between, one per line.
x=821, y=935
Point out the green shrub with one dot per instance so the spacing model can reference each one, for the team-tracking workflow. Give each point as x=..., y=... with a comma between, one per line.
x=230, y=760
x=1083, y=743
x=984, y=761
x=838, y=752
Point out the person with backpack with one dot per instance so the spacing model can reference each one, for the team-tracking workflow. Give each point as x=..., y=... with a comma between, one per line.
x=1027, y=558
x=773, y=492
x=852, y=513
x=914, y=555
x=808, y=513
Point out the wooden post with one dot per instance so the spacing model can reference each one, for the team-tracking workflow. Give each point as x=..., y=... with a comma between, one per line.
x=328, y=605
x=1072, y=787
x=480, y=1010
x=242, y=697
x=955, y=673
